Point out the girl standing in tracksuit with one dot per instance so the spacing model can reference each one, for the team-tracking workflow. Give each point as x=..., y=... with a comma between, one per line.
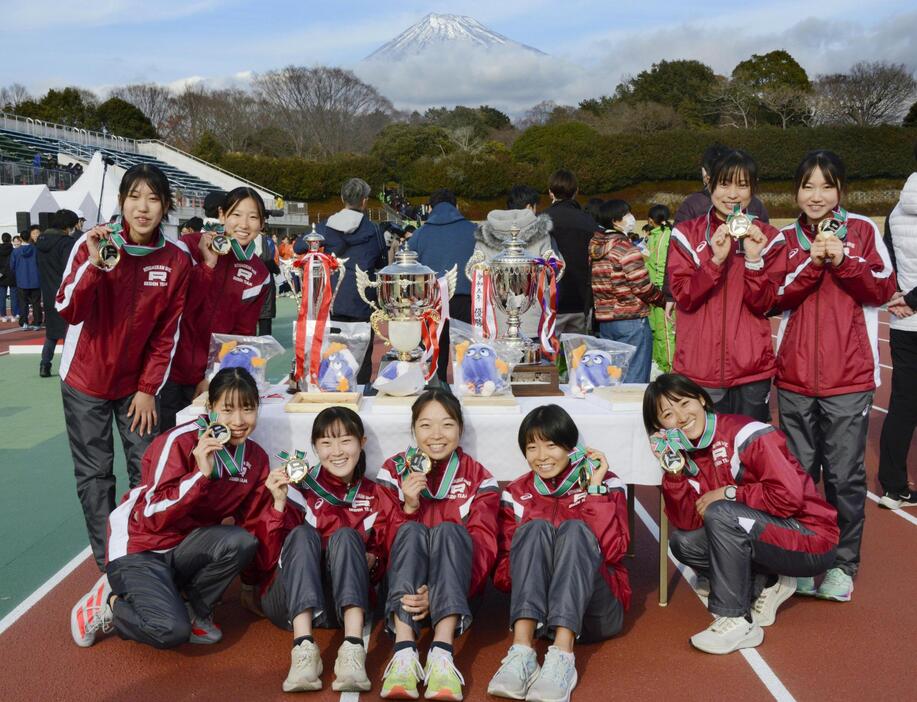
x=744, y=513
x=334, y=555
x=442, y=555
x=225, y=296
x=170, y=557
x=723, y=290
x=828, y=356
x=657, y=251
x=124, y=323
x=563, y=533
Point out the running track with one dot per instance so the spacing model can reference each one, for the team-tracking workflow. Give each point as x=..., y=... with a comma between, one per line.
x=816, y=650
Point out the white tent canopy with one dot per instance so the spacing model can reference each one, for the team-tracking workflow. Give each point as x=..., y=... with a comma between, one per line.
x=78, y=202
x=24, y=198
x=88, y=187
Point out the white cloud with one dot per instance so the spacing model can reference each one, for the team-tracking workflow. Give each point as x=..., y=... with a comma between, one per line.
x=43, y=15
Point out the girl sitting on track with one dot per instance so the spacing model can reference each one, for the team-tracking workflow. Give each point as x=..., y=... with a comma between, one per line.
x=828, y=356
x=442, y=555
x=563, y=533
x=169, y=556
x=723, y=290
x=329, y=564
x=740, y=506
x=225, y=296
x=123, y=325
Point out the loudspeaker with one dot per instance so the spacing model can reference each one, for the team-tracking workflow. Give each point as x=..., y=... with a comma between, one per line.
x=44, y=219
x=23, y=222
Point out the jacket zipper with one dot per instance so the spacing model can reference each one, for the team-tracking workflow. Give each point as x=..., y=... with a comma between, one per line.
x=723, y=337
x=817, y=296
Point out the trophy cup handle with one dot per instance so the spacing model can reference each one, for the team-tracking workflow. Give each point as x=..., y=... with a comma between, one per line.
x=375, y=321
x=548, y=254
x=363, y=282
x=342, y=271
x=452, y=279
x=477, y=261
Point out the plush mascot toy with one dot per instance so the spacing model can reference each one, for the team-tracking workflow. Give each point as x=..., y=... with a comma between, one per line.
x=483, y=372
x=592, y=369
x=338, y=369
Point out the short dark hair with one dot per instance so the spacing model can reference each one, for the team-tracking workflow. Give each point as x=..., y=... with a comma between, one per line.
x=445, y=398
x=592, y=207
x=237, y=195
x=549, y=423
x=563, y=184
x=64, y=219
x=611, y=211
x=660, y=214
x=340, y=421
x=828, y=162
x=234, y=380
x=674, y=387
x=521, y=196
x=34, y=227
x=6, y=238
x=153, y=177
x=26, y=235
x=712, y=154
x=442, y=195
x=195, y=224
x=213, y=201
x=736, y=163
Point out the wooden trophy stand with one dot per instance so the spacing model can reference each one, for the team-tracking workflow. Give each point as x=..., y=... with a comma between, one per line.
x=536, y=379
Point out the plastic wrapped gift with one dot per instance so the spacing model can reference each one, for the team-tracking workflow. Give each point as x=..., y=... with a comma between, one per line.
x=401, y=378
x=249, y=352
x=480, y=367
x=594, y=363
x=343, y=349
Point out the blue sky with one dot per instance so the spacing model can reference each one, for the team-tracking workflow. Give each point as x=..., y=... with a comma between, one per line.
x=104, y=43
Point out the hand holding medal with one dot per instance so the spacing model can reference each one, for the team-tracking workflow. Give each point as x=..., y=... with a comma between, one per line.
x=277, y=484
x=294, y=465
x=102, y=252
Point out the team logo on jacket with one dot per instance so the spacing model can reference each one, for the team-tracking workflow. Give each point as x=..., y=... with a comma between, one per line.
x=243, y=470
x=244, y=274
x=701, y=246
x=578, y=498
x=526, y=496
x=157, y=276
x=458, y=489
x=793, y=252
x=720, y=453
x=361, y=503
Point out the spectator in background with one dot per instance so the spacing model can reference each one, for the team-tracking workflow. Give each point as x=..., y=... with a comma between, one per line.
x=195, y=224
x=697, y=204
x=6, y=275
x=54, y=246
x=592, y=207
x=350, y=234
x=622, y=289
x=271, y=259
x=534, y=233
x=25, y=269
x=80, y=223
x=573, y=230
x=445, y=240
x=657, y=251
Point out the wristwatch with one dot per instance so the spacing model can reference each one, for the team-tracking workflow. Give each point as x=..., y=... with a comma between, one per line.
x=730, y=493
x=597, y=489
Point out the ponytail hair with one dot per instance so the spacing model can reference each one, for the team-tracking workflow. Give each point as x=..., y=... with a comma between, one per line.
x=660, y=214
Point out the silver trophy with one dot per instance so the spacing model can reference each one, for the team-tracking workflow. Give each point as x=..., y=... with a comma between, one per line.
x=515, y=283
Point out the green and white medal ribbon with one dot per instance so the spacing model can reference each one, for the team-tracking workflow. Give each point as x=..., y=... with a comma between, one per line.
x=675, y=440
x=311, y=482
x=735, y=210
x=117, y=238
x=403, y=467
x=231, y=463
x=242, y=254
x=581, y=469
x=839, y=215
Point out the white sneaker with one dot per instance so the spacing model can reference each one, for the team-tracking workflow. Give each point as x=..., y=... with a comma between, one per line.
x=764, y=609
x=442, y=679
x=557, y=678
x=728, y=634
x=305, y=669
x=350, y=669
x=516, y=674
x=91, y=614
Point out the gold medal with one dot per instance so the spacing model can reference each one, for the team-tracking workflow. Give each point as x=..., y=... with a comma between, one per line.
x=672, y=461
x=109, y=253
x=420, y=463
x=219, y=431
x=296, y=469
x=220, y=245
x=829, y=227
x=738, y=224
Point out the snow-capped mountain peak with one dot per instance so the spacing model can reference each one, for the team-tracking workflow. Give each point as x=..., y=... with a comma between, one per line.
x=437, y=30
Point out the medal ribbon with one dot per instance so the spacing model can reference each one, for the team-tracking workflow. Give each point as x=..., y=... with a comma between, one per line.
x=402, y=466
x=242, y=254
x=483, y=318
x=117, y=238
x=549, y=270
x=675, y=440
x=581, y=470
x=735, y=210
x=840, y=214
x=231, y=464
x=311, y=482
x=433, y=322
x=329, y=264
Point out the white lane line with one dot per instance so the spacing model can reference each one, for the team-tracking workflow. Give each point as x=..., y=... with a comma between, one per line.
x=760, y=667
x=898, y=512
x=367, y=629
x=48, y=585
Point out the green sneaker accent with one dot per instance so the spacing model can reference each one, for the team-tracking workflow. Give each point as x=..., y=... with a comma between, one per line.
x=837, y=586
x=805, y=587
x=443, y=680
x=401, y=676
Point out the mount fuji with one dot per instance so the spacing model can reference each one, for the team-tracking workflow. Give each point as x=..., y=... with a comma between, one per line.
x=435, y=32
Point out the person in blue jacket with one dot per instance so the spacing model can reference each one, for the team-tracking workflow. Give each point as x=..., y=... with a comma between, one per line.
x=24, y=265
x=352, y=235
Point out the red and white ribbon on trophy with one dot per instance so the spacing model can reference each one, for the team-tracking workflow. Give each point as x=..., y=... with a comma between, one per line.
x=483, y=317
x=549, y=271
x=433, y=321
x=321, y=317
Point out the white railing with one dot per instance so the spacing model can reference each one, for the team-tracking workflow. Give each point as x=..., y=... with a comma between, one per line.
x=52, y=130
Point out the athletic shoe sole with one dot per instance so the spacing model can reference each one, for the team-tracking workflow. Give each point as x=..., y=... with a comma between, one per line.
x=302, y=687
x=754, y=638
x=566, y=698
x=891, y=503
x=835, y=598
x=507, y=694
x=352, y=686
x=399, y=693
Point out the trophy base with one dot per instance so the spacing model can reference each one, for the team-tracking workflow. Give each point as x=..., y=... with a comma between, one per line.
x=314, y=402
x=502, y=404
x=536, y=379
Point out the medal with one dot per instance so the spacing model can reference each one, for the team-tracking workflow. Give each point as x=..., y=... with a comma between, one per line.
x=294, y=465
x=416, y=461
x=219, y=431
x=109, y=254
x=231, y=464
x=220, y=245
x=672, y=461
x=420, y=463
x=829, y=227
x=738, y=223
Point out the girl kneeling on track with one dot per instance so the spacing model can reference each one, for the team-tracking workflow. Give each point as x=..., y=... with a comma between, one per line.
x=170, y=558
x=740, y=505
x=442, y=554
x=563, y=533
x=333, y=556
x=828, y=355
x=225, y=296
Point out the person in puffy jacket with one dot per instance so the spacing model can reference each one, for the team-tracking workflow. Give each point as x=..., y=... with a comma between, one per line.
x=7, y=281
x=744, y=513
x=828, y=355
x=24, y=266
x=54, y=247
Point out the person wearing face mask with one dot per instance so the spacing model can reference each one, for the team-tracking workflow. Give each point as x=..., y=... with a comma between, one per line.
x=225, y=296
x=621, y=288
x=743, y=511
x=723, y=288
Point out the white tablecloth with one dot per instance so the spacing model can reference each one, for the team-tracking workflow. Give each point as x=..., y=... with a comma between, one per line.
x=490, y=437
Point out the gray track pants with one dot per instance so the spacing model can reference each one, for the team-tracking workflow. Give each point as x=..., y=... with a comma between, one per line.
x=828, y=437
x=750, y=399
x=325, y=583
x=88, y=422
x=438, y=557
x=730, y=551
x=557, y=581
x=150, y=608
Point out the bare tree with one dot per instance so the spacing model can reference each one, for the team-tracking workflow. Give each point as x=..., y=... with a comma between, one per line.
x=538, y=114
x=734, y=101
x=625, y=116
x=327, y=110
x=871, y=94
x=466, y=139
x=13, y=95
x=155, y=101
x=785, y=101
